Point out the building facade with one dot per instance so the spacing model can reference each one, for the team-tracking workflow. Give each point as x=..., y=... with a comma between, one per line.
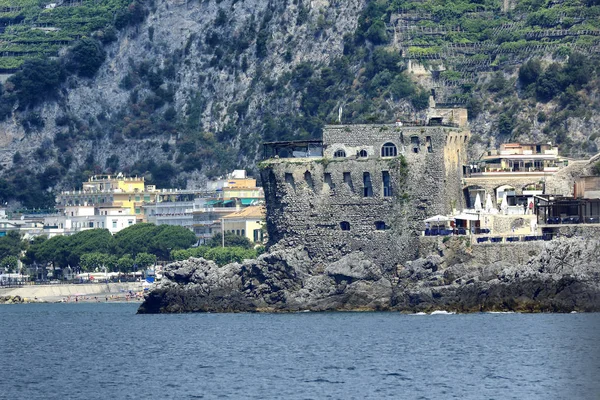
x=369, y=192
x=79, y=218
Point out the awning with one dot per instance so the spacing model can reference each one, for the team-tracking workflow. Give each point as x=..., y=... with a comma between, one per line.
x=228, y=202
x=248, y=202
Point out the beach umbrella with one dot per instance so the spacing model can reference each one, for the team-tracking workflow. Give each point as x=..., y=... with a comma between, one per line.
x=504, y=205
x=478, y=206
x=438, y=218
x=489, y=206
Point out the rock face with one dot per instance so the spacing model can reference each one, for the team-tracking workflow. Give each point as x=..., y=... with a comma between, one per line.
x=563, y=276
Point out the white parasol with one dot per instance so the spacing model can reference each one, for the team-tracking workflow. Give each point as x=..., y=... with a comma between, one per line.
x=504, y=204
x=478, y=206
x=489, y=206
x=438, y=218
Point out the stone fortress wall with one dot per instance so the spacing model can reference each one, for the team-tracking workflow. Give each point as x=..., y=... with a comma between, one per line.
x=320, y=203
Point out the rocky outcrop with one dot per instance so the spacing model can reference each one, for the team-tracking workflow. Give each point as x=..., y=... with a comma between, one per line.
x=13, y=300
x=564, y=276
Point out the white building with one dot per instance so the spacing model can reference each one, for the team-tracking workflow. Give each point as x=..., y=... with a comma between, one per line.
x=80, y=218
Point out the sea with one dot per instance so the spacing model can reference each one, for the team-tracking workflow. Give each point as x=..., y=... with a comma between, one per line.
x=106, y=351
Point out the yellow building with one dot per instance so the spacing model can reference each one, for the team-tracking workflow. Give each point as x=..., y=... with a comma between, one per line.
x=110, y=191
x=246, y=222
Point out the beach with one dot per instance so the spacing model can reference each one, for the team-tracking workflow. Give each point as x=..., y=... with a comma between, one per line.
x=74, y=293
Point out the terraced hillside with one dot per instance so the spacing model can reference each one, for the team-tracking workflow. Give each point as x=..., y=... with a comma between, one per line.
x=33, y=28
x=471, y=39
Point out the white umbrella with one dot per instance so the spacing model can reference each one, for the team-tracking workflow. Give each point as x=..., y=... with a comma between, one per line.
x=438, y=218
x=489, y=206
x=533, y=225
x=504, y=204
x=478, y=206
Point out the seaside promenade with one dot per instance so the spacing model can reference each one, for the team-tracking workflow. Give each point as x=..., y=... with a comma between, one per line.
x=70, y=292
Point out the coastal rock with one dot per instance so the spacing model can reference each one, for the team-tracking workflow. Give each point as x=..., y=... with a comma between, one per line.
x=562, y=275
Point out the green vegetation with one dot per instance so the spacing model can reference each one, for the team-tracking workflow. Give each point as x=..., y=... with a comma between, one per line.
x=136, y=247
x=220, y=255
x=34, y=28
x=237, y=249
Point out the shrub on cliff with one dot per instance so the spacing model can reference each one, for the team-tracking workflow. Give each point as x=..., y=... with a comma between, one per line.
x=38, y=80
x=86, y=57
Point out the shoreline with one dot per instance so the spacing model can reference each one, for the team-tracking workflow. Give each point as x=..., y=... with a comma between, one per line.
x=74, y=293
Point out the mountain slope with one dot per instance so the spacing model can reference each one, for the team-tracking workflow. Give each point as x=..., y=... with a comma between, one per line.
x=193, y=89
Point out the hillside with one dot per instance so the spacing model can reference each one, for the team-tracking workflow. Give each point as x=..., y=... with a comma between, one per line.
x=181, y=90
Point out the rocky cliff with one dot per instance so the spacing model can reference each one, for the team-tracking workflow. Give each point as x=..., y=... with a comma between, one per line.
x=558, y=276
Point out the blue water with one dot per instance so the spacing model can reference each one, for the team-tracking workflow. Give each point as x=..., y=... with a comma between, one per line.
x=105, y=351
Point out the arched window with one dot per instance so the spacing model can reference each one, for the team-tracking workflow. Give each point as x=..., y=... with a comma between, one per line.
x=389, y=150
x=345, y=225
x=362, y=153
x=339, y=153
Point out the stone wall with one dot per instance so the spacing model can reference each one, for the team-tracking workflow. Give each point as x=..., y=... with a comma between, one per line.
x=518, y=253
x=309, y=202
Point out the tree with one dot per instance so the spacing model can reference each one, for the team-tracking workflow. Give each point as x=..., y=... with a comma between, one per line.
x=226, y=255
x=38, y=79
x=144, y=260
x=125, y=263
x=89, y=241
x=231, y=240
x=530, y=71
x=506, y=124
x=93, y=261
x=167, y=237
x=134, y=239
x=9, y=263
x=377, y=33
x=86, y=57
x=420, y=100
x=11, y=245
x=549, y=84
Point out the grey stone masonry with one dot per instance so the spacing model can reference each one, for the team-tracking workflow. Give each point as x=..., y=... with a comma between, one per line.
x=335, y=206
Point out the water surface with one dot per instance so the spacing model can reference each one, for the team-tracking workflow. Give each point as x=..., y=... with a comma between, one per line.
x=105, y=351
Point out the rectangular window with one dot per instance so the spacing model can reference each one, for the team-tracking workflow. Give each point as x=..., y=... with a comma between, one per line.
x=328, y=181
x=348, y=180
x=256, y=235
x=146, y=197
x=289, y=178
x=367, y=187
x=428, y=144
x=137, y=211
x=387, y=184
x=91, y=224
x=137, y=197
x=414, y=142
x=114, y=223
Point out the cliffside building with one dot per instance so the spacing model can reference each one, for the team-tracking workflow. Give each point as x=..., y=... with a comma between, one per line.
x=363, y=188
